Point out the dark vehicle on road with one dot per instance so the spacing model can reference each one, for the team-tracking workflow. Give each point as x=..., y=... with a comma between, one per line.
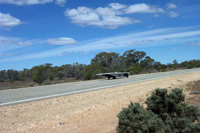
x=114, y=74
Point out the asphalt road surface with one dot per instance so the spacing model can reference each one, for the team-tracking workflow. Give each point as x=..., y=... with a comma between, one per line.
x=14, y=96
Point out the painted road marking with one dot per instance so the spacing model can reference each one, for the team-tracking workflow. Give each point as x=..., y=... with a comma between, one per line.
x=79, y=84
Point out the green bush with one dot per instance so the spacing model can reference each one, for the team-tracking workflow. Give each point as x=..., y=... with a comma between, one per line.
x=134, y=70
x=51, y=77
x=60, y=75
x=39, y=74
x=88, y=75
x=46, y=82
x=166, y=112
x=30, y=84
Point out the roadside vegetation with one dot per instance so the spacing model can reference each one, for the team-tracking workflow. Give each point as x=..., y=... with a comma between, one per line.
x=193, y=87
x=132, y=61
x=165, y=112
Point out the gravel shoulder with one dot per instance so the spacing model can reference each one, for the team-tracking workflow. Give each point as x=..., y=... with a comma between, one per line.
x=94, y=111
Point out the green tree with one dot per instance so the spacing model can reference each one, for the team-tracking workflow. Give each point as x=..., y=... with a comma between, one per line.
x=175, y=64
x=78, y=68
x=190, y=65
x=39, y=74
x=10, y=74
x=157, y=65
x=90, y=71
x=134, y=68
x=118, y=65
x=3, y=75
x=147, y=63
x=104, y=59
x=60, y=75
x=68, y=70
x=133, y=56
x=26, y=72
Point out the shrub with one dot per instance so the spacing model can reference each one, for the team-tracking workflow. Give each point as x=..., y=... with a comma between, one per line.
x=30, y=84
x=190, y=66
x=39, y=74
x=166, y=112
x=46, y=82
x=51, y=77
x=88, y=75
x=60, y=75
x=134, y=70
x=193, y=86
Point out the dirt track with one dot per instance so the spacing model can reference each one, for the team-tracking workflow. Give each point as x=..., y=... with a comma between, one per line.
x=94, y=111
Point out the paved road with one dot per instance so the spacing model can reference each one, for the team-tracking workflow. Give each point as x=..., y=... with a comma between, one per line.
x=15, y=96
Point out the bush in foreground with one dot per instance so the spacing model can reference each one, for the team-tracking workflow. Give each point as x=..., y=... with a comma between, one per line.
x=166, y=112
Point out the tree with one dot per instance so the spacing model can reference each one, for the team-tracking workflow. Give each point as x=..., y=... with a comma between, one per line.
x=39, y=74
x=190, y=65
x=175, y=64
x=90, y=71
x=10, y=74
x=166, y=112
x=117, y=64
x=3, y=75
x=60, y=75
x=68, y=70
x=157, y=65
x=134, y=68
x=133, y=56
x=26, y=72
x=78, y=68
x=104, y=59
x=147, y=62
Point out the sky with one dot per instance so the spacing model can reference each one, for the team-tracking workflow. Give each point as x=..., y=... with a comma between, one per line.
x=35, y=32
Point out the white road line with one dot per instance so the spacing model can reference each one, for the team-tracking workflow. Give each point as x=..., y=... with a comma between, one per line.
x=86, y=83
x=81, y=91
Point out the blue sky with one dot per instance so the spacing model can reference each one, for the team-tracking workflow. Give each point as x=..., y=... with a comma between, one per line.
x=34, y=32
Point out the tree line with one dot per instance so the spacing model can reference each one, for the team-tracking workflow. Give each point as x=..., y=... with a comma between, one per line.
x=131, y=61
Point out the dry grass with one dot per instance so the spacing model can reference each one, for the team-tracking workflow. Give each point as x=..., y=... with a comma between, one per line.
x=30, y=83
x=194, y=89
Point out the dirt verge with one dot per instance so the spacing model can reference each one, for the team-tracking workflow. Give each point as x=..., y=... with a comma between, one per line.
x=94, y=111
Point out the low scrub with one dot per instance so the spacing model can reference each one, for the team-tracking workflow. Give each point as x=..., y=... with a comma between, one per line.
x=46, y=82
x=193, y=86
x=165, y=112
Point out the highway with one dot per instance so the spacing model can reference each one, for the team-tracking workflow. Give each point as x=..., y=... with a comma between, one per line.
x=16, y=96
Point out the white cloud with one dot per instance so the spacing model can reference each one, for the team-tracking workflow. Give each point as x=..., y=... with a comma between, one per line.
x=143, y=8
x=60, y=2
x=173, y=14
x=32, y=2
x=110, y=17
x=13, y=41
x=84, y=53
x=25, y=2
x=6, y=20
x=171, y=6
x=176, y=48
x=193, y=44
x=24, y=43
x=61, y=41
x=156, y=15
x=147, y=38
x=104, y=17
x=150, y=26
x=117, y=6
x=8, y=40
